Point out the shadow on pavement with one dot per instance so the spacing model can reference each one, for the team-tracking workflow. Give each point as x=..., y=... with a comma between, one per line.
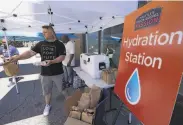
x=30, y=103
x=27, y=107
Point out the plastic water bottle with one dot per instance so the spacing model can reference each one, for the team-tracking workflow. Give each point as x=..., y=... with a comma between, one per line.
x=43, y=63
x=37, y=63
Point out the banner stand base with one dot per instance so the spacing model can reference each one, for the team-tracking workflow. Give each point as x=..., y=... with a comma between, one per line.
x=118, y=110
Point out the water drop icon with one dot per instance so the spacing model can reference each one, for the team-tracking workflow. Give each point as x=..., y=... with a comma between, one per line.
x=133, y=88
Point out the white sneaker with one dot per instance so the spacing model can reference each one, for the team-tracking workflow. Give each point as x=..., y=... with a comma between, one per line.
x=11, y=84
x=46, y=110
x=12, y=81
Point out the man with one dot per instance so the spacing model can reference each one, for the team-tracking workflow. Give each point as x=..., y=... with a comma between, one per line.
x=116, y=55
x=4, y=52
x=52, y=52
x=69, y=60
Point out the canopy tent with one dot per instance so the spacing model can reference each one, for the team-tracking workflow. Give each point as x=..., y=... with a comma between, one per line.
x=33, y=37
x=22, y=38
x=27, y=17
x=66, y=17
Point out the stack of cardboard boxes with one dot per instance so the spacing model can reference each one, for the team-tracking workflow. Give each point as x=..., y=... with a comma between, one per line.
x=80, y=107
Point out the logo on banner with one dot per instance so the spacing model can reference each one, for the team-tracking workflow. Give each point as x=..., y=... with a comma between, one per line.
x=133, y=88
x=149, y=18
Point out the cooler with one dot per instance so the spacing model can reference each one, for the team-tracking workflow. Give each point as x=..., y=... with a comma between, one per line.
x=93, y=64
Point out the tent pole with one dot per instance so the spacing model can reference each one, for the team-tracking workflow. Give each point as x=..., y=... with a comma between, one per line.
x=50, y=13
x=102, y=41
x=50, y=18
x=6, y=43
x=13, y=78
x=87, y=42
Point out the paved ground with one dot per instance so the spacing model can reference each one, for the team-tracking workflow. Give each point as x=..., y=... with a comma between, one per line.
x=27, y=107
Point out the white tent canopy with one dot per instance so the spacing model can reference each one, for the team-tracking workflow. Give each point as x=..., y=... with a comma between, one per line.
x=68, y=17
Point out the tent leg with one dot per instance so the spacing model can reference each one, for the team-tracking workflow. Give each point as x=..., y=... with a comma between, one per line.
x=16, y=85
x=130, y=118
x=17, y=88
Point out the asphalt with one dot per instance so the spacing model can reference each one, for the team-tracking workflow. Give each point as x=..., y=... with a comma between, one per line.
x=26, y=108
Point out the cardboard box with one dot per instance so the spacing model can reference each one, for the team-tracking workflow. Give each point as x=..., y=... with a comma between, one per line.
x=109, y=75
x=72, y=121
x=73, y=101
x=78, y=116
x=75, y=114
x=86, y=117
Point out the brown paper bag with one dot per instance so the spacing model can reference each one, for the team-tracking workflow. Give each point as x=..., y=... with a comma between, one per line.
x=75, y=114
x=109, y=75
x=86, y=117
x=11, y=69
x=75, y=108
x=84, y=102
x=95, y=96
x=87, y=89
x=90, y=111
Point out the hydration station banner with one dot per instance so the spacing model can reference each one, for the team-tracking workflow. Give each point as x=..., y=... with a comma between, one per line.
x=151, y=61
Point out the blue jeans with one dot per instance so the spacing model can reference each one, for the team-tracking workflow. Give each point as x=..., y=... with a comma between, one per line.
x=68, y=74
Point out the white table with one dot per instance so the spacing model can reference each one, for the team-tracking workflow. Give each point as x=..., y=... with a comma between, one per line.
x=89, y=81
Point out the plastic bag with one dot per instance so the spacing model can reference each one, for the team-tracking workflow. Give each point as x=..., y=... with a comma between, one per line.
x=77, y=82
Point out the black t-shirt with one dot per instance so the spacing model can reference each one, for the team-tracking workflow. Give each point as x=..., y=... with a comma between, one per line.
x=50, y=51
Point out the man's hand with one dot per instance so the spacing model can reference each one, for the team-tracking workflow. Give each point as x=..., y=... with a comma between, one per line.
x=70, y=60
x=69, y=64
x=57, y=60
x=48, y=62
x=14, y=59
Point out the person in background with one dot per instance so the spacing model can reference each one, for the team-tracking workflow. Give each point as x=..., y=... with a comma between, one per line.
x=116, y=55
x=4, y=53
x=52, y=53
x=69, y=60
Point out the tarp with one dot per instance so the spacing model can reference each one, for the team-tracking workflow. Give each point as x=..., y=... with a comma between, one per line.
x=67, y=17
x=34, y=37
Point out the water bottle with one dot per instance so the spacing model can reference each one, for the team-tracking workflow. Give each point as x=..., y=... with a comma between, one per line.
x=37, y=63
